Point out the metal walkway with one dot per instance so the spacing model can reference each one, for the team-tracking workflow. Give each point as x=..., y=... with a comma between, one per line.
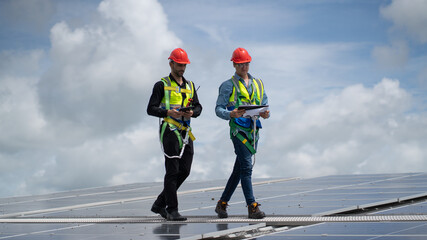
x=277, y=220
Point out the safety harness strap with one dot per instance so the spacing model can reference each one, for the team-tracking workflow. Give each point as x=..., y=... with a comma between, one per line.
x=179, y=126
x=164, y=125
x=233, y=125
x=246, y=142
x=167, y=82
x=249, y=140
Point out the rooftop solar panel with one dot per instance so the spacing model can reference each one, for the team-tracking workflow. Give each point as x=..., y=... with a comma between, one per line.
x=355, y=231
x=84, y=210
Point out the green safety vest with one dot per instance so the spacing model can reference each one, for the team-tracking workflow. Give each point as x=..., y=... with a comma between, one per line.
x=173, y=96
x=239, y=97
x=172, y=99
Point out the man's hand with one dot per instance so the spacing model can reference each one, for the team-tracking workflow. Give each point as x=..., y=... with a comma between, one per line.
x=175, y=114
x=178, y=114
x=188, y=113
x=236, y=113
x=265, y=114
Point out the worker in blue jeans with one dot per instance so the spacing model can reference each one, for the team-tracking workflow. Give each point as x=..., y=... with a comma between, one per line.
x=242, y=89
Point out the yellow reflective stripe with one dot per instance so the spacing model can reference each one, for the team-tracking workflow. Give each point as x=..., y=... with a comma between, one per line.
x=244, y=141
x=244, y=91
x=260, y=89
x=178, y=89
x=258, y=93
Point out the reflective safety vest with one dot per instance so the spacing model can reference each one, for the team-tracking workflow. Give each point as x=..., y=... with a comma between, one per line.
x=173, y=98
x=240, y=96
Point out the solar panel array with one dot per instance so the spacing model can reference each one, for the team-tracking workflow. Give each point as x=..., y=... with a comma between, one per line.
x=123, y=212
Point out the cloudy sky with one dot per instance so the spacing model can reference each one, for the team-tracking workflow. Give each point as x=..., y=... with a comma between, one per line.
x=346, y=80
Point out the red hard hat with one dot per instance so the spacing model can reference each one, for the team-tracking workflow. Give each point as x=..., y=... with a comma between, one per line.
x=180, y=56
x=240, y=55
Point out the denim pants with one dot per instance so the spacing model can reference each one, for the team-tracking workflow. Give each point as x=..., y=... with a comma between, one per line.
x=242, y=172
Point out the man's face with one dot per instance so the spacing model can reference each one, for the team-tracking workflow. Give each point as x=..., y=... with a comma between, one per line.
x=242, y=68
x=177, y=68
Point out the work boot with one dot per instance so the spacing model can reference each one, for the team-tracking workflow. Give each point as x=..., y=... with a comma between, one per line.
x=175, y=216
x=221, y=209
x=160, y=210
x=254, y=211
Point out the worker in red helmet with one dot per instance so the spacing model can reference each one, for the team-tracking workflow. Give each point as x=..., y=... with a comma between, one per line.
x=174, y=100
x=240, y=90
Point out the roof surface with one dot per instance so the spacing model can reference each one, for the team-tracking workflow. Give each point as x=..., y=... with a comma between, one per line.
x=378, y=206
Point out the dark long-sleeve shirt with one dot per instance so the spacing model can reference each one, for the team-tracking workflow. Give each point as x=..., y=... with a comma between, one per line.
x=157, y=95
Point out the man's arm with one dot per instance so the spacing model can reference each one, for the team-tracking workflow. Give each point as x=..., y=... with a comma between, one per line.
x=197, y=110
x=266, y=114
x=225, y=91
x=153, y=107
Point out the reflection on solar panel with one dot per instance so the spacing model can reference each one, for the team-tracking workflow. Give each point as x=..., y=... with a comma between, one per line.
x=380, y=206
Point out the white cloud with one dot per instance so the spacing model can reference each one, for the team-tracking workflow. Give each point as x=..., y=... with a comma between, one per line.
x=22, y=125
x=132, y=156
x=359, y=130
x=102, y=71
x=306, y=72
x=82, y=122
x=302, y=60
x=391, y=57
x=409, y=16
x=79, y=123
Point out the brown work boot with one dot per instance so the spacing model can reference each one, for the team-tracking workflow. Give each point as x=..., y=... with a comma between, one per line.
x=221, y=209
x=254, y=212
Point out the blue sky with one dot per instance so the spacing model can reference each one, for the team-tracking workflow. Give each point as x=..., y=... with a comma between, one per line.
x=346, y=81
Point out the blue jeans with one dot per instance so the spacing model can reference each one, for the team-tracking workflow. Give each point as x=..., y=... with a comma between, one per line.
x=242, y=172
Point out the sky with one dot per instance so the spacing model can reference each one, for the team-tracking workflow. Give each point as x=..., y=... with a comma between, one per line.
x=346, y=82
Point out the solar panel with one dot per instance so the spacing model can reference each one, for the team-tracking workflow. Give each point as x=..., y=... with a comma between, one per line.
x=413, y=209
x=85, y=213
x=356, y=231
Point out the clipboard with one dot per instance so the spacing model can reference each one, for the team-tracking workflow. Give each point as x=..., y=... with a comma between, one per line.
x=250, y=107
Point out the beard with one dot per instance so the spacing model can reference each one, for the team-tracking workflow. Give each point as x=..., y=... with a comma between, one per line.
x=179, y=73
